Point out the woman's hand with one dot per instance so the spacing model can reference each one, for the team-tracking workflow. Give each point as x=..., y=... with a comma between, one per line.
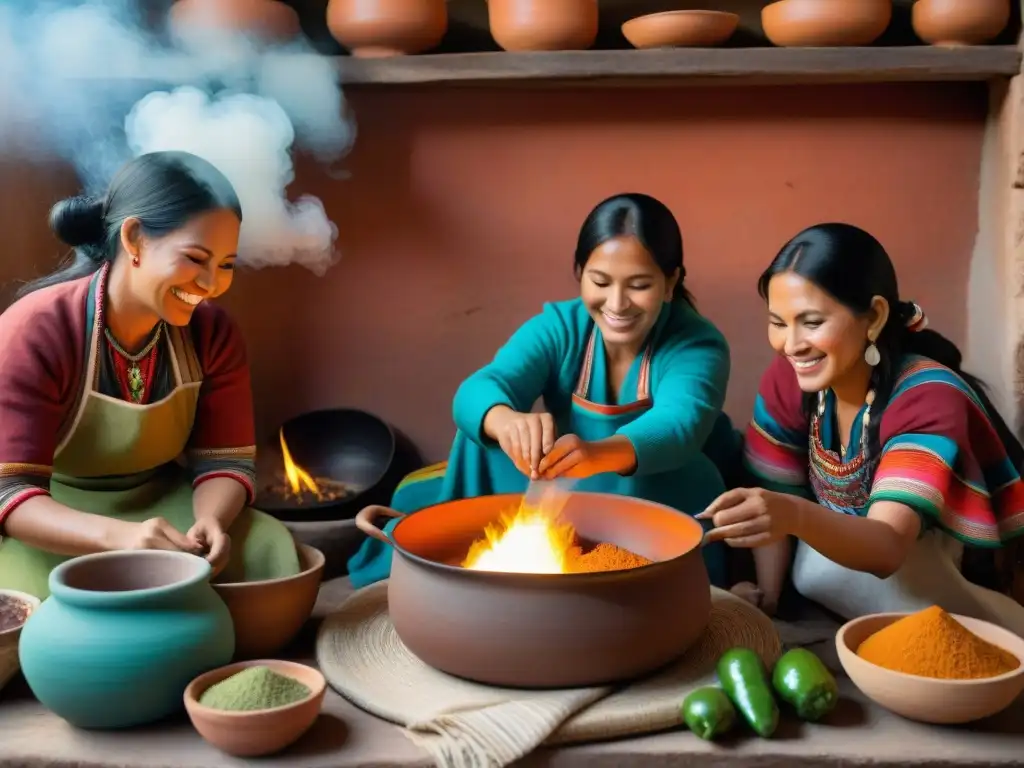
x=576, y=458
x=155, y=533
x=212, y=540
x=749, y=591
x=750, y=517
x=524, y=437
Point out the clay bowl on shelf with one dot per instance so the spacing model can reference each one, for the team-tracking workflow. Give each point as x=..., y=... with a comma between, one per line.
x=805, y=23
x=15, y=608
x=543, y=25
x=926, y=699
x=953, y=22
x=383, y=28
x=676, y=29
x=267, y=615
x=257, y=732
x=267, y=20
x=528, y=630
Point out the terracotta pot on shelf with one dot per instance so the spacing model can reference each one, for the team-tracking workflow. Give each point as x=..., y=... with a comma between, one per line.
x=267, y=20
x=827, y=23
x=670, y=29
x=955, y=22
x=543, y=25
x=379, y=28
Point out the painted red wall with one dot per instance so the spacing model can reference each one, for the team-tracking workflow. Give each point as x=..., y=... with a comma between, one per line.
x=462, y=208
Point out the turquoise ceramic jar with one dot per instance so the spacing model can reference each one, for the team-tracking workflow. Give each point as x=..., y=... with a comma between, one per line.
x=121, y=636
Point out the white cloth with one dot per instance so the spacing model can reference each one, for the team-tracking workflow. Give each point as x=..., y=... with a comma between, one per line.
x=930, y=576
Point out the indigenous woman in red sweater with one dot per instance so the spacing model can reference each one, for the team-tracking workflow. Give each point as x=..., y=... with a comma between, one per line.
x=125, y=405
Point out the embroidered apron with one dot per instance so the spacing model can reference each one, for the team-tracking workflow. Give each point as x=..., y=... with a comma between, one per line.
x=929, y=576
x=120, y=459
x=475, y=470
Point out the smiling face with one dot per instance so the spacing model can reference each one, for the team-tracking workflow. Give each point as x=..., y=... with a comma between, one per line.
x=822, y=338
x=180, y=270
x=624, y=290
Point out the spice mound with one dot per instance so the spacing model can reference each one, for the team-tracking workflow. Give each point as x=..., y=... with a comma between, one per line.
x=603, y=557
x=931, y=643
x=254, y=688
x=13, y=612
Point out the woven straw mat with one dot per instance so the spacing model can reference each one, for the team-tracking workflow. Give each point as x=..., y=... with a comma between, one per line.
x=363, y=659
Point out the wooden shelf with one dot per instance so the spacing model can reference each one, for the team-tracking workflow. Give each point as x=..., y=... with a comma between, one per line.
x=720, y=66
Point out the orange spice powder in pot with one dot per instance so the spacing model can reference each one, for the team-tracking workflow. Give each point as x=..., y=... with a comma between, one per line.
x=604, y=557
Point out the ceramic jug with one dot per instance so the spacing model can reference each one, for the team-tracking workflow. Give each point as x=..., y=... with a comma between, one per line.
x=121, y=636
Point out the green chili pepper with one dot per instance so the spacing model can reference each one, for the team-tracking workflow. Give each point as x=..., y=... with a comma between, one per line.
x=708, y=712
x=803, y=681
x=745, y=680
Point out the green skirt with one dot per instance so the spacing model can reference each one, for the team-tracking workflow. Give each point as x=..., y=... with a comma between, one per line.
x=261, y=546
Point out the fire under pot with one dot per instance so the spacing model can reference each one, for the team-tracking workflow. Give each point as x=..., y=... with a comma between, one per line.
x=460, y=601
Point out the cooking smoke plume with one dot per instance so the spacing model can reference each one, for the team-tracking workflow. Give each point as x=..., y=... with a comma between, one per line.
x=89, y=83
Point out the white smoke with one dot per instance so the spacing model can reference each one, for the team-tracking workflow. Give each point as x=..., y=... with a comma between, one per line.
x=87, y=82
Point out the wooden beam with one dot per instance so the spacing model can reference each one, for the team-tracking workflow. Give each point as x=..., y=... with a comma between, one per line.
x=995, y=301
x=720, y=66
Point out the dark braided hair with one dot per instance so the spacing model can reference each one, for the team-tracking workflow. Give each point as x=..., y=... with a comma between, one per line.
x=163, y=190
x=852, y=266
x=648, y=220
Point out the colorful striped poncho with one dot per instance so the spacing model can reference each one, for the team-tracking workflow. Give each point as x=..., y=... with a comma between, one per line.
x=941, y=455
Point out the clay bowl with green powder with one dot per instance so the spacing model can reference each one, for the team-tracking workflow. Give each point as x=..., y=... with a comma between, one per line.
x=254, y=708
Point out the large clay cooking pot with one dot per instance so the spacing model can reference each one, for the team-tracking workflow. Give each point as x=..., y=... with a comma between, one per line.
x=121, y=636
x=954, y=22
x=378, y=28
x=546, y=630
x=801, y=23
x=543, y=25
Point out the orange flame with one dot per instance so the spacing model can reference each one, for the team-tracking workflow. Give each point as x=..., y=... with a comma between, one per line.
x=297, y=477
x=530, y=540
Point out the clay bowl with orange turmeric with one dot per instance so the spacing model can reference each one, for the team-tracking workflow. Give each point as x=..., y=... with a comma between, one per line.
x=956, y=699
x=634, y=594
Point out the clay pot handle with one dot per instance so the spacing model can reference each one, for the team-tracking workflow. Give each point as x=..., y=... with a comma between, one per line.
x=366, y=516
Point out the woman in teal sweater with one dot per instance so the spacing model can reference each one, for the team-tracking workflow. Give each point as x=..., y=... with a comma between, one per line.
x=632, y=380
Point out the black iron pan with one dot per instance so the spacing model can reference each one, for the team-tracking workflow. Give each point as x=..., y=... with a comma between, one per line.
x=346, y=445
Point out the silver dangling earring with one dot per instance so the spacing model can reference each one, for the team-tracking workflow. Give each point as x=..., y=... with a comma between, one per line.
x=871, y=355
x=821, y=403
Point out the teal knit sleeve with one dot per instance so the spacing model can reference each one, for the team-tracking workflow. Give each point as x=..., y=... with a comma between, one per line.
x=690, y=377
x=518, y=374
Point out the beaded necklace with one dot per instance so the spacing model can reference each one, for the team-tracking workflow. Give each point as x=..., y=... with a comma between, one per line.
x=134, y=372
x=842, y=483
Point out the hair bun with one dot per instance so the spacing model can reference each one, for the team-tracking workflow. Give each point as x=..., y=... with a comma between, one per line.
x=78, y=221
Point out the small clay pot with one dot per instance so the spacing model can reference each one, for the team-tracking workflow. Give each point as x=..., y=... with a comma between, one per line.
x=266, y=20
x=956, y=22
x=379, y=28
x=543, y=25
x=144, y=622
x=828, y=23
